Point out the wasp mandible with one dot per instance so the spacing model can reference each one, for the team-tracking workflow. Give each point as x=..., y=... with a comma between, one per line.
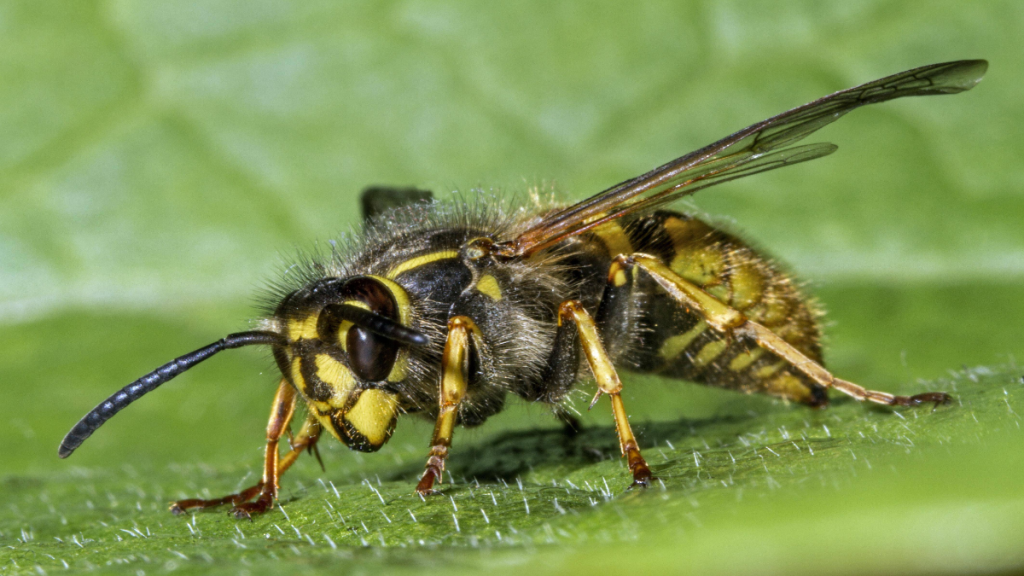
x=444, y=308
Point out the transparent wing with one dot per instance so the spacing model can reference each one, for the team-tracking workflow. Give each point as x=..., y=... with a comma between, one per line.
x=764, y=146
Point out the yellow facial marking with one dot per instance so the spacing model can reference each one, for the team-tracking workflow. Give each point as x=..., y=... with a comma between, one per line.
x=304, y=328
x=297, y=379
x=741, y=361
x=345, y=325
x=674, y=345
x=373, y=414
x=337, y=376
x=770, y=369
x=488, y=286
x=420, y=261
x=709, y=352
x=401, y=368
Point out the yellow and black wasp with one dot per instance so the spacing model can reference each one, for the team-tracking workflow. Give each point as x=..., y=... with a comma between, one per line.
x=443, y=309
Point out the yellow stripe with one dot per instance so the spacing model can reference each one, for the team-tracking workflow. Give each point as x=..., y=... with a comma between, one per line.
x=400, y=295
x=297, y=378
x=741, y=361
x=614, y=238
x=709, y=352
x=674, y=345
x=767, y=371
x=748, y=286
x=422, y=260
x=789, y=387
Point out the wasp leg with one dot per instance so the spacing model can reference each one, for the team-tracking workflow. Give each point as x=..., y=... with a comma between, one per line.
x=727, y=320
x=454, y=376
x=266, y=490
x=607, y=383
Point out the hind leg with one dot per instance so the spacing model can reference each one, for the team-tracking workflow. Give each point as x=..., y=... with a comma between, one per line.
x=728, y=321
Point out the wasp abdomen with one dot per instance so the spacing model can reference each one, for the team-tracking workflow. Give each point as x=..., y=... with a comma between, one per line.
x=678, y=343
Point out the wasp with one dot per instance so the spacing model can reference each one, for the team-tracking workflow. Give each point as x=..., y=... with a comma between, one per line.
x=443, y=309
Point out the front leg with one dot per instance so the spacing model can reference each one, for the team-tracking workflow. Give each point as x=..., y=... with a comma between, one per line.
x=454, y=376
x=266, y=490
x=607, y=383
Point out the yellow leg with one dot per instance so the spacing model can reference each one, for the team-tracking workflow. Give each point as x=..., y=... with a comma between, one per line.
x=727, y=320
x=273, y=467
x=454, y=376
x=607, y=383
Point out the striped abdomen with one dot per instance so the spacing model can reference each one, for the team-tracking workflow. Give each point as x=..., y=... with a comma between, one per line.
x=678, y=343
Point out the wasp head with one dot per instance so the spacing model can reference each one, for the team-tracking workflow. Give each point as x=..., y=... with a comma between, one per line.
x=348, y=346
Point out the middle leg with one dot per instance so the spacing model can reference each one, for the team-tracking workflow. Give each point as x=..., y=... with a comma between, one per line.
x=607, y=383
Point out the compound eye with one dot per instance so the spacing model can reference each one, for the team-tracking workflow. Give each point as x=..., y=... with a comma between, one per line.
x=371, y=357
x=361, y=323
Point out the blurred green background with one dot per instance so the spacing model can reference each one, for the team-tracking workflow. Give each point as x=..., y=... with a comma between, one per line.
x=160, y=162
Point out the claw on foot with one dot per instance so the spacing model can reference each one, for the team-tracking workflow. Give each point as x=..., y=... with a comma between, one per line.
x=642, y=483
x=247, y=510
x=642, y=478
x=939, y=398
x=425, y=487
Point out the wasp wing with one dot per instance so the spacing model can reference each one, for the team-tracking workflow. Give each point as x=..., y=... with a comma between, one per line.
x=764, y=146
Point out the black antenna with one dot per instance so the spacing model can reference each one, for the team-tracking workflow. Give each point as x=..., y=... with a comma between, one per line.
x=132, y=392
x=376, y=323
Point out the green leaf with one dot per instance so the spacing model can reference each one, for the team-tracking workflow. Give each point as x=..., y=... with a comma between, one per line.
x=161, y=161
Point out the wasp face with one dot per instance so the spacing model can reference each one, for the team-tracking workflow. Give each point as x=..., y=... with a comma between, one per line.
x=347, y=340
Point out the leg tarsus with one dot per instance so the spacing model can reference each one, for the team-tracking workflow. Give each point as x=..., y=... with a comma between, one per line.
x=642, y=476
x=862, y=394
x=265, y=492
x=727, y=320
x=183, y=506
x=246, y=510
x=938, y=398
x=425, y=487
x=434, y=471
